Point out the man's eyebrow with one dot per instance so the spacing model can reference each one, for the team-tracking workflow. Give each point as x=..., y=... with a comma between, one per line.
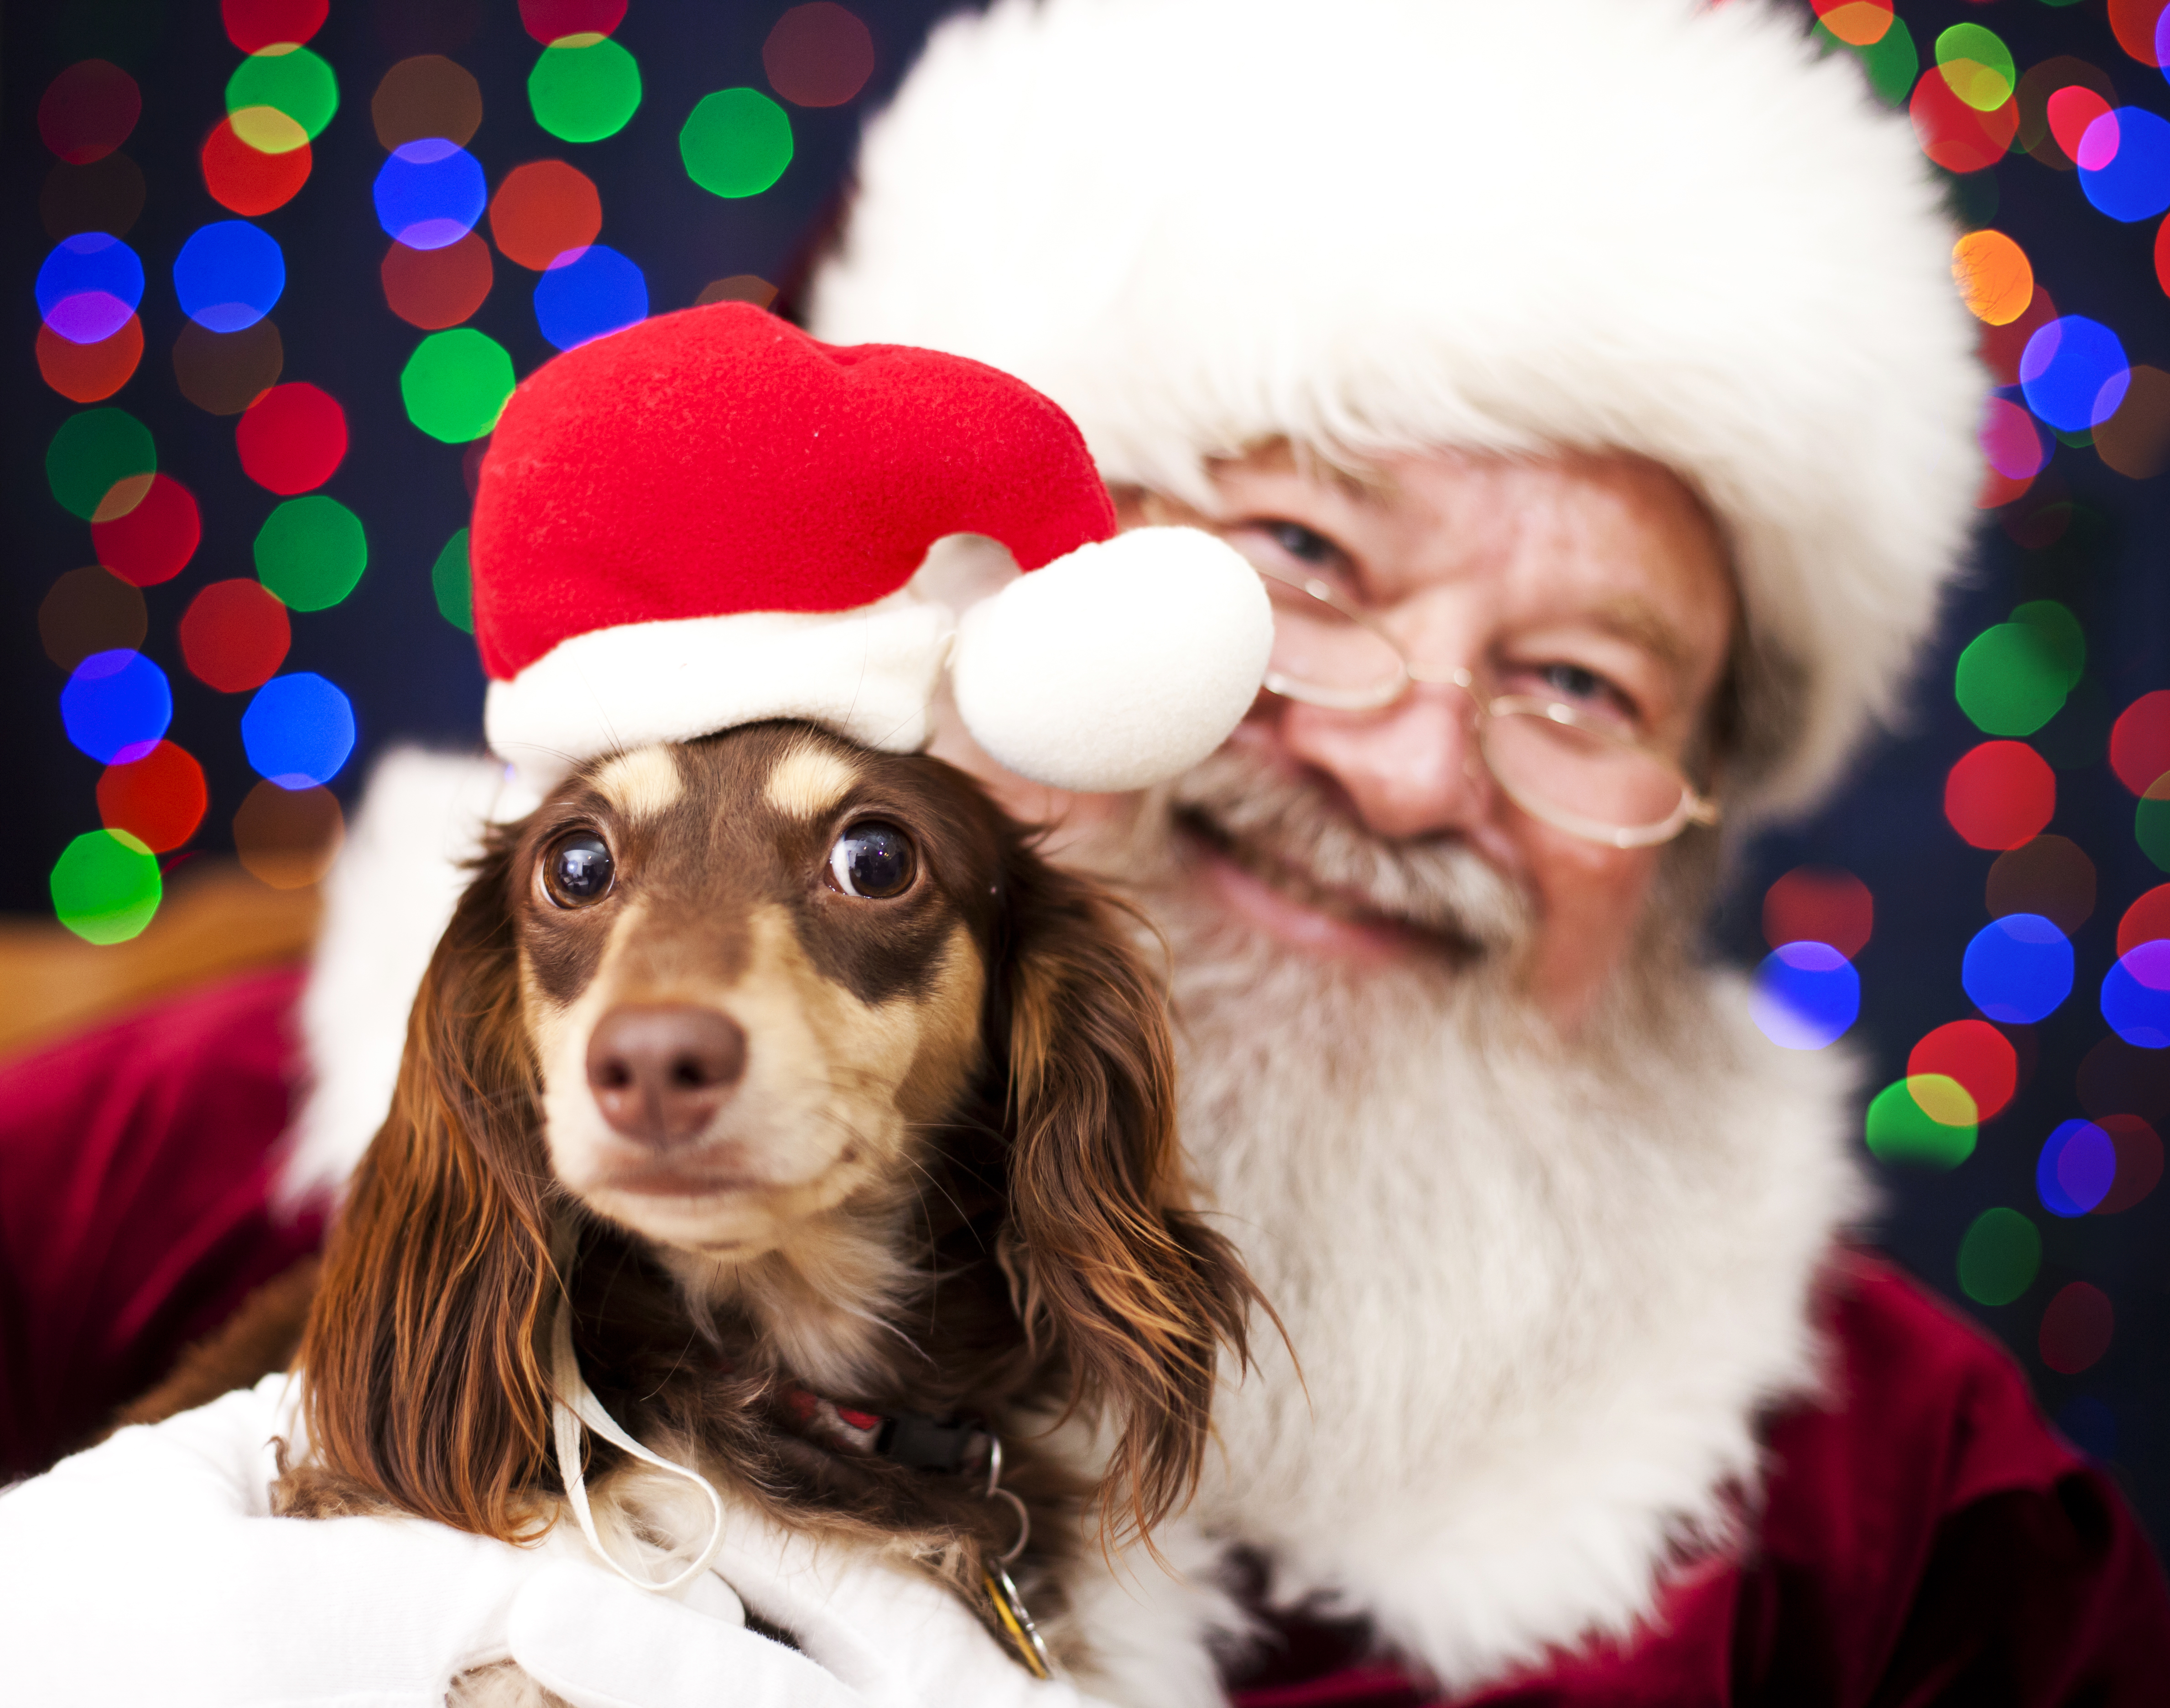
x=1629, y=617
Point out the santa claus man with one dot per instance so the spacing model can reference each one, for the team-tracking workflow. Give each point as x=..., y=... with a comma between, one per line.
x=1586, y=383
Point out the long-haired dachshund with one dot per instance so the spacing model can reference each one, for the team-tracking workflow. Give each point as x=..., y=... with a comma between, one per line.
x=843, y=1121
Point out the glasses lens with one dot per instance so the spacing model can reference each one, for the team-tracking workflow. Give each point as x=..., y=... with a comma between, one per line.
x=1325, y=657
x=1547, y=764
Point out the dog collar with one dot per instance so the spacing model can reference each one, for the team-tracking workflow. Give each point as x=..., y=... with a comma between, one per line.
x=957, y=1445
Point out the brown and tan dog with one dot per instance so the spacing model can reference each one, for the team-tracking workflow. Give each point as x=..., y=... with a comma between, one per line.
x=837, y=1112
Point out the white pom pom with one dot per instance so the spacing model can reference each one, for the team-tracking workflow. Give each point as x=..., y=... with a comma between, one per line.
x=1117, y=666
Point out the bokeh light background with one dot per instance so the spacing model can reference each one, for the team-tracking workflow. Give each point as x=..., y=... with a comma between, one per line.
x=275, y=265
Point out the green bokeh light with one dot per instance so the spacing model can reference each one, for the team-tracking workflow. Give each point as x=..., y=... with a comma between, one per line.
x=105, y=886
x=291, y=80
x=456, y=384
x=311, y=551
x=1900, y=1131
x=736, y=142
x=452, y=584
x=1978, y=65
x=91, y=452
x=2150, y=823
x=1999, y=1256
x=584, y=89
x=2013, y=677
x=1892, y=60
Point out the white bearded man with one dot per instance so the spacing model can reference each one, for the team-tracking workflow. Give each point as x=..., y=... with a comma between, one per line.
x=1586, y=380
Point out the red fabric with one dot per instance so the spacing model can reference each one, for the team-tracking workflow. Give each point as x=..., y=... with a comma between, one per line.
x=1928, y=1541
x=133, y=1168
x=718, y=460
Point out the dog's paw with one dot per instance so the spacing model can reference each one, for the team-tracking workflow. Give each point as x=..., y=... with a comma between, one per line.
x=501, y=1684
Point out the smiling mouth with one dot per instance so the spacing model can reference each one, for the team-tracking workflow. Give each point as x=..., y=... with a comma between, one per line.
x=1296, y=888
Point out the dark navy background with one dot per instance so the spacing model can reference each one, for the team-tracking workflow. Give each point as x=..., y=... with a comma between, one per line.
x=413, y=676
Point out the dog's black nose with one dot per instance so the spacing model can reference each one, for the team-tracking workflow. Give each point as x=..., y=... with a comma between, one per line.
x=658, y=1073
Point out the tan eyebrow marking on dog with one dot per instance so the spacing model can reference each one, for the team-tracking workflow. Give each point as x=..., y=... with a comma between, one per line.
x=643, y=784
x=808, y=781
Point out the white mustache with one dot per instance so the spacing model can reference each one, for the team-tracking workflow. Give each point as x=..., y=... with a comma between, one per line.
x=1290, y=829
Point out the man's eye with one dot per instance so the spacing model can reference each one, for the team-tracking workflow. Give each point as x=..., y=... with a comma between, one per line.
x=872, y=860
x=578, y=869
x=1304, y=544
x=1571, y=681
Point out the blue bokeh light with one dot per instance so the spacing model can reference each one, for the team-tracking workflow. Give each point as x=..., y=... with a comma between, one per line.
x=2134, y=183
x=1806, y=995
x=2135, y=995
x=588, y=293
x=2077, y=1167
x=430, y=193
x=88, y=286
x=298, y=730
x=228, y=275
x=2017, y=969
x=2074, y=373
x=116, y=706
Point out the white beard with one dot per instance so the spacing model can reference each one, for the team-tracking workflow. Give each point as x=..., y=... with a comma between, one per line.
x=1540, y=1293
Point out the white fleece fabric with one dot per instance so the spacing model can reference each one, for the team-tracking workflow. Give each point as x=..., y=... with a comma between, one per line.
x=1651, y=226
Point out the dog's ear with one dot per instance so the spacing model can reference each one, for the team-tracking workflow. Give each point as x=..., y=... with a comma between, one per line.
x=1107, y=1260
x=421, y=1365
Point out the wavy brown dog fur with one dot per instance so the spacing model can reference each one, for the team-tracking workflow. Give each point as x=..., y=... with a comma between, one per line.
x=940, y=1176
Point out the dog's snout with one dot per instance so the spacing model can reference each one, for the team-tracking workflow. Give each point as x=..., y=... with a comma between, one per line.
x=659, y=1073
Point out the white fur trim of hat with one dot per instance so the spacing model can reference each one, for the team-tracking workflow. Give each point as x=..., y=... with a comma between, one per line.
x=1389, y=225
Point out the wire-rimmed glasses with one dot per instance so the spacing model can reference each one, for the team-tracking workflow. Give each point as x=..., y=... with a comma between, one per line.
x=1555, y=760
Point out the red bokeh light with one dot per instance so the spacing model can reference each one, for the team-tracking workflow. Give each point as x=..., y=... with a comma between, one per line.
x=818, y=54
x=2077, y=1328
x=542, y=210
x=2139, y=742
x=152, y=541
x=2070, y=109
x=2001, y=346
x=248, y=181
x=87, y=111
x=2139, y=1162
x=1976, y=1055
x=254, y=24
x=1819, y=904
x=159, y=799
x=85, y=373
x=2001, y=794
x=292, y=438
x=1952, y=133
x=234, y=635
x=553, y=20
x=436, y=288
x=2133, y=22
x=2145, y=920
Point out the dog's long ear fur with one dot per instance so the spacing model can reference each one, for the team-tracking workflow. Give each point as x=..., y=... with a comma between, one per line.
x=1108, y=1262
x=422, y=1371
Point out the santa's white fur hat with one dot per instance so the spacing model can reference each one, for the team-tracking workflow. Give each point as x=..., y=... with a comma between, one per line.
x=1384, y=225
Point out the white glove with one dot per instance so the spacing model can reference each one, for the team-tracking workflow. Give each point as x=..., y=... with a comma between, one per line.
x=150, y=1570
x=875, y=1635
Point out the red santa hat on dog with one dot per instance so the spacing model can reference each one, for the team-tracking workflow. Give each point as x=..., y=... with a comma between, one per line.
x=710, y=519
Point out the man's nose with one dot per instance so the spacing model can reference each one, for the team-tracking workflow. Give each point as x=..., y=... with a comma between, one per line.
x=1411, y=770
x=659, y=1073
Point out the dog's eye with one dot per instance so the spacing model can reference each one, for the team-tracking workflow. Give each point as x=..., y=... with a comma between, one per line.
x=578, y=869
x=873, y=859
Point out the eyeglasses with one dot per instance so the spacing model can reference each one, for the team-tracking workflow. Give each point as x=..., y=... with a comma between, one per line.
x=1557, y=762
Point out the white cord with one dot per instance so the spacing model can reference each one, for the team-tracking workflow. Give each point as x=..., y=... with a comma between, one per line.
x=575, y=1405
